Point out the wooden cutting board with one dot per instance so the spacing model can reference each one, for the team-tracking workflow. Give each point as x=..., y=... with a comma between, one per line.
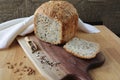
x=54, y=63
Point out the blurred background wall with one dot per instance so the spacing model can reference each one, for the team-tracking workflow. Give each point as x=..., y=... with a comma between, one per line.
x=105, y=12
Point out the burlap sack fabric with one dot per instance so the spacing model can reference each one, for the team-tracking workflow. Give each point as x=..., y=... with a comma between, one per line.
x=92, y=11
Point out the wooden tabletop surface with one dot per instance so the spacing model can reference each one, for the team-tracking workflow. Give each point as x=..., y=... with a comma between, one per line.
x=14, y=64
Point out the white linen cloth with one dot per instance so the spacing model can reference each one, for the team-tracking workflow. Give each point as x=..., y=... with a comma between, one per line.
x=11, y=29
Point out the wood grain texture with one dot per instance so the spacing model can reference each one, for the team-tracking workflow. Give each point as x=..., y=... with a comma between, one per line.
x=69, y=65
x=110, y=45
x=15, y=55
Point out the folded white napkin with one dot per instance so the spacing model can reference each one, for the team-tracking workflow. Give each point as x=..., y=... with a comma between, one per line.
x=87, y=27
x=11, y=29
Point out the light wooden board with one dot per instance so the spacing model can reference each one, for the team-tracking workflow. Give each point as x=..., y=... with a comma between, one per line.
x=69, y=66
x=15, y=54
x=50, y=73
x=110, y=45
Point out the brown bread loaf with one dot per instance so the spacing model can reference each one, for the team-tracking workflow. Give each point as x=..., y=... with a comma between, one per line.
x=55, y=22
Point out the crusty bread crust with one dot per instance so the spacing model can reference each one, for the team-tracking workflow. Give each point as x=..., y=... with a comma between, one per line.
x=62, y=11
x=84, y=57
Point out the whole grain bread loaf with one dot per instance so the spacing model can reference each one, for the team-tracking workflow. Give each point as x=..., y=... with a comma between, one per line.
x=55, y=22
x=82, y=48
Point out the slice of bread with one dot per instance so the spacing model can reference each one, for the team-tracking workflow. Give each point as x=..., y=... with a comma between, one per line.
x=55, y=22
x=82, y=48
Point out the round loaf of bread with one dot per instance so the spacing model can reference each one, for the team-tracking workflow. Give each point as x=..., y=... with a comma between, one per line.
x=55, y=22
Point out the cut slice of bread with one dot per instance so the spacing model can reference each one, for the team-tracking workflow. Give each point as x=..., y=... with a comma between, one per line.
x=82, y=48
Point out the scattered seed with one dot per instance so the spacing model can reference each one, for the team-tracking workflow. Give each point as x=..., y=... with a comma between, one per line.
x=8, y=63
x=27, y=69
x=21, y=70
x=17, y=70
x=24, y=56
x=25, y=66
x=20, y=63
x=31, y=71
x=15, y=64
x=12, y=66
x=21, y=73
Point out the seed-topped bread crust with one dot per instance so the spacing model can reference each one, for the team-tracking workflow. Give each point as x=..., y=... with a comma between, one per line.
x=63, y=15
